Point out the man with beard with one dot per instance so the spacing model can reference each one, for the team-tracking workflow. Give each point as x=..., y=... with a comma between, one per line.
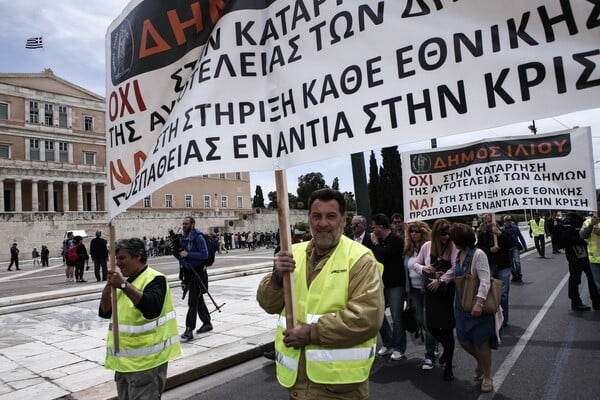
x=329, y=351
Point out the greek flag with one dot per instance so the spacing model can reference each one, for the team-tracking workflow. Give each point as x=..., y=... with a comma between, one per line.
x=34, y=43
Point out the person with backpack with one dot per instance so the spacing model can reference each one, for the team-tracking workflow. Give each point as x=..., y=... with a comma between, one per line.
x=194, y=256
x=77, y=255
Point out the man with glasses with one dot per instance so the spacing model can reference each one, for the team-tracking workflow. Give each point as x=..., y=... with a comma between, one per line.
x=519, y=245
x=359, y=231
x=398, y=226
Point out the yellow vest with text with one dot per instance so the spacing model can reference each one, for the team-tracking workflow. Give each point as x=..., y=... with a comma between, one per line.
x=327, y=294
x=143, y=344
x=593, y=244
x=537, y=229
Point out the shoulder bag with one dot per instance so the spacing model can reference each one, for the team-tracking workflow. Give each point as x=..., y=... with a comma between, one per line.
x=467, y=287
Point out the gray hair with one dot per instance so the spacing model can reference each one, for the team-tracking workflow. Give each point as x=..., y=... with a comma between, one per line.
x=134, y=247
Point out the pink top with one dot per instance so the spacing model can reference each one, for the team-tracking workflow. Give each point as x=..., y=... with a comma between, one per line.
x=424, y=257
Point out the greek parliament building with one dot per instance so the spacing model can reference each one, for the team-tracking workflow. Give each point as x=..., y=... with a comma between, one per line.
x=53, y=174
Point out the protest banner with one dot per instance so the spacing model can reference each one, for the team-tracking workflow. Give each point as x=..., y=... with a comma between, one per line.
x=550, y=172
x=200, y=87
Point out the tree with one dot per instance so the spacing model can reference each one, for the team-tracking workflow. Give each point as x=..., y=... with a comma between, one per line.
x=336, y=184
x=350, y=202
x=258, y=201
x=373, y=184
x=292, y=200
x=306, y=185
x=390, y=182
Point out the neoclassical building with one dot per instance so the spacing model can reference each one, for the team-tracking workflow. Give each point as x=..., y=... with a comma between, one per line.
x=53, y=164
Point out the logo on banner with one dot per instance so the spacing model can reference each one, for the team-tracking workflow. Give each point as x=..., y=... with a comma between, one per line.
x=121, y=51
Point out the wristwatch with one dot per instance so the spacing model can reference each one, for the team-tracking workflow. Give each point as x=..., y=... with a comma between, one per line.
x=123, y=285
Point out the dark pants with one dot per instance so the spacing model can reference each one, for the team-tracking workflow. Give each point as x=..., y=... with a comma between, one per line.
x=446, y=337
x=540, y=244
x=196, y=304
x=14, y=260
x=576, y=267
x=44, y=261
x=79, y=271
x=100, y=264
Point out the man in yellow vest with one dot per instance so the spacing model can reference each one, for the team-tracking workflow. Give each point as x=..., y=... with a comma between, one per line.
x=537, y=231
x=148, y=336
x=329, y=352
x=590, y=231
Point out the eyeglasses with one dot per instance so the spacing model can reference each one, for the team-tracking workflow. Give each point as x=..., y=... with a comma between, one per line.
x=415, y=231
x=444, y=233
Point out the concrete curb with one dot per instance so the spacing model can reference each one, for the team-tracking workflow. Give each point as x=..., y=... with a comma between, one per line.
x=189, y=368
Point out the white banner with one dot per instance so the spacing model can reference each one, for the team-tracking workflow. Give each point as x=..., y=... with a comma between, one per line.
x=199, y=87
x=547, y=172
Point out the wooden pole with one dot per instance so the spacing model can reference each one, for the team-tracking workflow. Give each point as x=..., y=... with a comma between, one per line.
x=285, y=241
x=113, y=291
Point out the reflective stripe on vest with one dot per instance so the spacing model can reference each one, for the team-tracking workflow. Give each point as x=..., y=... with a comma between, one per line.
x=324, y=365
x=593, y=243
x=144, y=351
x=146, y=327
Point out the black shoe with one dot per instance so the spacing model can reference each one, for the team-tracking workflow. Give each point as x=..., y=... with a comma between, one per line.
x=18, y=269
x=82, y=280
x=443, y=360
x=187, y=335
x=596, y=305
x=205, y=328
x=9, y=269
x=448, y=375
x=269, y=354
x=517, y=280
x=580, y=307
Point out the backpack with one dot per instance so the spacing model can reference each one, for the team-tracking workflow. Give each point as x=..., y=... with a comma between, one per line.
x=72, y=255
x=211, y=249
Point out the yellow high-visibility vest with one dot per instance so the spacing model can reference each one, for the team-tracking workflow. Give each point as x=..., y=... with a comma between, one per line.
x=593, y=243
x=537, y=228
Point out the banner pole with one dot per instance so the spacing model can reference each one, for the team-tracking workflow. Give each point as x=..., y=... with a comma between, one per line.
x=113, y=291
x=285, y=242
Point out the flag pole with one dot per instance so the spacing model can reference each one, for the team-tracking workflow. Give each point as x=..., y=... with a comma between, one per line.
x=283, y=212
x=113, y=291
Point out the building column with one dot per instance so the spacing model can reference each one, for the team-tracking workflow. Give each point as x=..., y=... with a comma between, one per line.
x=79, y=196
x=51, y=197
x=93, y=195
x=2, y=196
x=35, y=204
x=18, y=200
x=65, y=196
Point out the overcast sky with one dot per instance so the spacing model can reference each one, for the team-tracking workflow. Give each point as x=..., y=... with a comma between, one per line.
x=73, y=33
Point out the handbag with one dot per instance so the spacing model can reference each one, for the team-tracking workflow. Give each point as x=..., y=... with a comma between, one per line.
x=409, y=319
x=467, y=287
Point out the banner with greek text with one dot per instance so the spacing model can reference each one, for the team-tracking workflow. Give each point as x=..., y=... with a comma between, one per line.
x=538, y=172
x=216, y=86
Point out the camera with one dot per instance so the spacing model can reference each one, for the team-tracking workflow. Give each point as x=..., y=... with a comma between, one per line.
x=175, y=239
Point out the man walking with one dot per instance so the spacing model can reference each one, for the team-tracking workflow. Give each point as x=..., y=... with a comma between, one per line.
x=99, y=254
x=519, y=245
x=329, y=352
x=537, y=231
x=147, y=324
x=192, y=257
x=14, y=257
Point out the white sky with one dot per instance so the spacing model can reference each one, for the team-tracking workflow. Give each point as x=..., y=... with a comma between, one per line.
x=73, y=32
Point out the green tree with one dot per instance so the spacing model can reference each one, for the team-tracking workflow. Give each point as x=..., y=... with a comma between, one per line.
x=390, y=182
x=336, y=184
x=306, y=185
x=373, y=184
x=350, y=201
x=258, y=201
x=292, y=200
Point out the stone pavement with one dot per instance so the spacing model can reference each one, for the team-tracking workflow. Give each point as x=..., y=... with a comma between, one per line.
x=58, y=352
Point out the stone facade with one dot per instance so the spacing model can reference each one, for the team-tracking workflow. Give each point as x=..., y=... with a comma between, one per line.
x=31, y=230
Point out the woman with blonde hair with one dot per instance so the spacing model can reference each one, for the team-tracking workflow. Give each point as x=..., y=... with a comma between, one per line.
x=418, y=233
x=435, y=263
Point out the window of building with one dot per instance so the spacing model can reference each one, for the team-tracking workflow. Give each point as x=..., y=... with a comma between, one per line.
x=189, y=201
x=4, y=150
x=3, y=110
x=206, y=201
x=49, y=146
x=34, y=112
x=221, y=176
x=238, y=176
x=62, y=116
x=88, y=123
x=147, y=201
x=224, y=202
x=48, y=114
x=63, y=151
x=169, y=200
x=89, y=158
x=240, y=202
x=34, y=149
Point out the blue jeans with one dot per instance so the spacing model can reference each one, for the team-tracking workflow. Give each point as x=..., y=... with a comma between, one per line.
x=418, y=300
x=504, y=275
x=515, y=268
x=394, y=338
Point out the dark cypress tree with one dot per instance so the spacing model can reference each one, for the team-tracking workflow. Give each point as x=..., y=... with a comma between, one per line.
x=373, y=184
x=258, y=201
x=391, y=181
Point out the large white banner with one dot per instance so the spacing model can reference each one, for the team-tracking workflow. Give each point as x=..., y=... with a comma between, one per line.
x=199, y=87
x=548, y=172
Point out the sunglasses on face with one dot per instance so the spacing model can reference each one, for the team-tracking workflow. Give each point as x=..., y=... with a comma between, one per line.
x=415, y=231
